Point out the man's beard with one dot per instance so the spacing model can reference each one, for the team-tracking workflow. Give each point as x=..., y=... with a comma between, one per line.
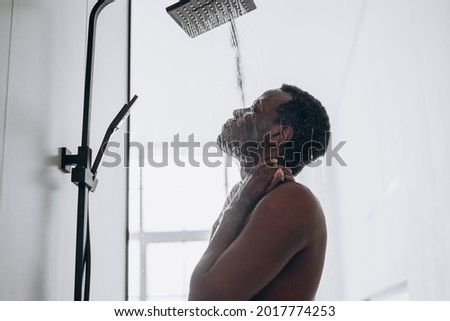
x=228, y=146
x=248, y=152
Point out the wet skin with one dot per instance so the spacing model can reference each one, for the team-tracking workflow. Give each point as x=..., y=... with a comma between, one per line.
x=269, y=241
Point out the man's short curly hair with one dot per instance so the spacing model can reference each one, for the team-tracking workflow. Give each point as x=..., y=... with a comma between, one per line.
x=311, y=126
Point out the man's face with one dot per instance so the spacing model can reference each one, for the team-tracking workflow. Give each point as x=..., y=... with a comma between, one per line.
x=252, y=123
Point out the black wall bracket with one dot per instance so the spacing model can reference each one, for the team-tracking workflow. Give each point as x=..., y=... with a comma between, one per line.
x=79, y=165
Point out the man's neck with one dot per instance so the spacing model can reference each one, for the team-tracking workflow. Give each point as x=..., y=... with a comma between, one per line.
x=246, y=168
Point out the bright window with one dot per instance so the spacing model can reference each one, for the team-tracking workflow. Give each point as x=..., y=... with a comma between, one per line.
x=172, y=210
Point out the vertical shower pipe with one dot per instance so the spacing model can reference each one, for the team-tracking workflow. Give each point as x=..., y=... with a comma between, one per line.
x=83, y=169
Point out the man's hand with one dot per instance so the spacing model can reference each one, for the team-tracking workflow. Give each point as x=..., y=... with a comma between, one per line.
x=261, y=182
x=262, y=179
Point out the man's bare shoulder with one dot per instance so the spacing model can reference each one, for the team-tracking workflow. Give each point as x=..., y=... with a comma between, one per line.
x=294, y=204
x=293, y=196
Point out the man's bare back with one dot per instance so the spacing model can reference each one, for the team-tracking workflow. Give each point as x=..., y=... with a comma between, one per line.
x=299, y=279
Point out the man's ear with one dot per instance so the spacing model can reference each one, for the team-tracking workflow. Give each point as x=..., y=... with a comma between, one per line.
x=282, y=133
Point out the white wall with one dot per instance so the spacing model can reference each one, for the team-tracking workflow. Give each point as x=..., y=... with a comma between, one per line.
x=391, y=199
x=44, y=112
x=5, y=28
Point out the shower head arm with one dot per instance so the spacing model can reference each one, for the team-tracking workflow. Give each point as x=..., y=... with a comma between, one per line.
x=90, y=54
x=82, y=173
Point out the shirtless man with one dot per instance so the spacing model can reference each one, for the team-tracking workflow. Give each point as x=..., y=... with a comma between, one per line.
x=270, y=238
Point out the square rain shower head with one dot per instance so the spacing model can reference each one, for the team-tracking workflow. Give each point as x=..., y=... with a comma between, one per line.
x=199, y=16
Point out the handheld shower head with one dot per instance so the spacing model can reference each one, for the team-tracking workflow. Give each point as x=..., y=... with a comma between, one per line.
x=199, y=16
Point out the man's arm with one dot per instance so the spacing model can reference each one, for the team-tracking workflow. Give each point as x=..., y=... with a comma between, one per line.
x=277, y=230
x=230, y=197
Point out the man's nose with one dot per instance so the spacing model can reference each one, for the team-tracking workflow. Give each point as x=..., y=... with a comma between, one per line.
x=238, y=112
